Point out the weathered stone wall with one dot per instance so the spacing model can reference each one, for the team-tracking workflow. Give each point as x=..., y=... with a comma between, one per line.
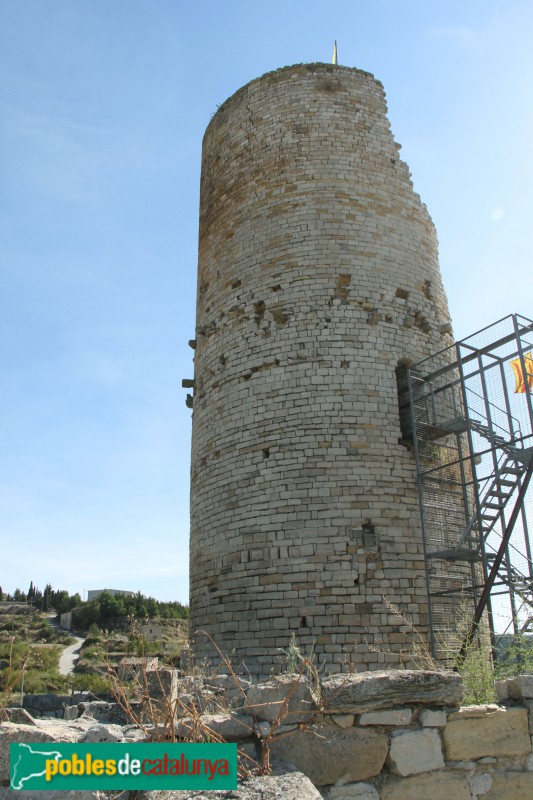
x=317, y=275
x=396, y=735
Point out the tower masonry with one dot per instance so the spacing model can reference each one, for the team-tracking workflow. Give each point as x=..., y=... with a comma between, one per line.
x=318, y=278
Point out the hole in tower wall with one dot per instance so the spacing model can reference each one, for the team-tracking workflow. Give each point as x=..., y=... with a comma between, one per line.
x=259, y=309
x=266, y=452
x=404, y=406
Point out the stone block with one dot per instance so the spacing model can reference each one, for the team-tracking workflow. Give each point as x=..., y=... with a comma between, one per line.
x=495, y=731
x=394, y=717
x=161, y=685
x=70, y=712
x=343, y=720
x=510, y=786
x=327, y=754
x=369, y=691
x=433, y=718
x=353, y=791
x=481, y=783
x=436, y=786
x=518, y=688
x=414, y=751
x=228, y=727
x=284, y=697
x=502, y=690
x=105, y=712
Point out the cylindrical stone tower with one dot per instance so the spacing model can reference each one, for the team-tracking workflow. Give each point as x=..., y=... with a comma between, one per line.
x=318, y=276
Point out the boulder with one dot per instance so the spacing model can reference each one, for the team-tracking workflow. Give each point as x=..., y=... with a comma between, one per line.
x=370, y=691
x=17, y=715
x=10, y=733
x=104, y=733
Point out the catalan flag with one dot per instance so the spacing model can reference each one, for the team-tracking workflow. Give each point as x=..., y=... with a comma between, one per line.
x=334, y=59
x=520, y=378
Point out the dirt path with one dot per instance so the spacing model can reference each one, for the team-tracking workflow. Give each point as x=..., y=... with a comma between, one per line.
x=69, y=656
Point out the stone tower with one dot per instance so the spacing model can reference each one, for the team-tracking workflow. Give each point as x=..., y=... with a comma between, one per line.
x=318, y=276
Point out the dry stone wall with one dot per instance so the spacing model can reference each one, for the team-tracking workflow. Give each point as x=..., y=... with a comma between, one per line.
x=318, y=275
x=395, y=735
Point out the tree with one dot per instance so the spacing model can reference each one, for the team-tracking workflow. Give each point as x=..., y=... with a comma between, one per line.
x=60, y=601
x=47, y=597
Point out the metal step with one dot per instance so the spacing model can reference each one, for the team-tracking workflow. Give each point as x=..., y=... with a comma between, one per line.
x=462, y=554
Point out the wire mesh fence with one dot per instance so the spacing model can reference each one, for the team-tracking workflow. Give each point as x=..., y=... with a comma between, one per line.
x=472, y=429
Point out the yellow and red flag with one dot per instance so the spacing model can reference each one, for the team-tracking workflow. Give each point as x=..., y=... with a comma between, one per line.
x=520, y=378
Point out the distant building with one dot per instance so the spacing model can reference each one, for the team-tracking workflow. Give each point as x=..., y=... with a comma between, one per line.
x=134, y=667
x=152, y=632
x=93, y=594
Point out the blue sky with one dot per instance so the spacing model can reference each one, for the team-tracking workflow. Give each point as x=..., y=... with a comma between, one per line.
x=103, y=105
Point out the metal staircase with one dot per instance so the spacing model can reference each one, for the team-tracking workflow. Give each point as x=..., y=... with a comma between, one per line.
x=473, y=442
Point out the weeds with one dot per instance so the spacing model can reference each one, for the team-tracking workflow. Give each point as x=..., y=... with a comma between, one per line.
x=475, y=666
x=11, y=677
x=165, y=707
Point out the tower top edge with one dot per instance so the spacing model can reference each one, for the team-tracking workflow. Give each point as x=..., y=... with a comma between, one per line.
x=283, y=72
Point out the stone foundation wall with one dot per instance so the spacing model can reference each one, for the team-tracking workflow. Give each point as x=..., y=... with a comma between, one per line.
x=397, y=735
